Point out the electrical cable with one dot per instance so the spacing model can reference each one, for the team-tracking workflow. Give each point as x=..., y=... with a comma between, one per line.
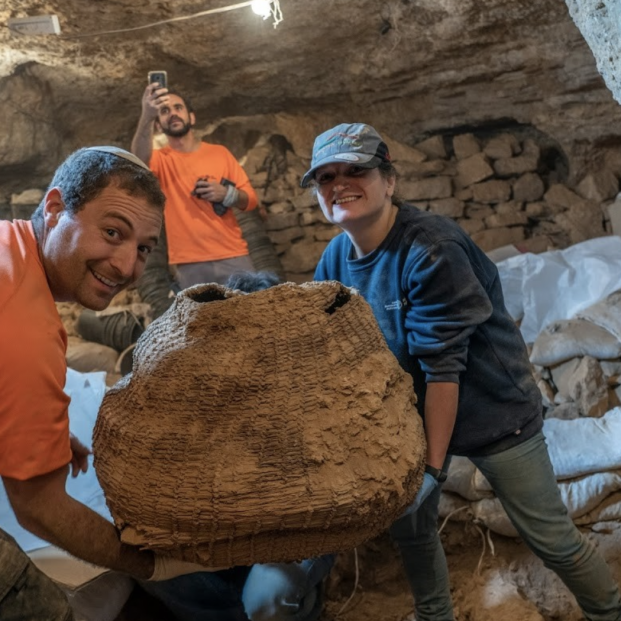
x=276, y=14
x=450, y=515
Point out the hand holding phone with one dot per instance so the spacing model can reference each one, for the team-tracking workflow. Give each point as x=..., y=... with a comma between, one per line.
x=212, y=192
x=160, y=77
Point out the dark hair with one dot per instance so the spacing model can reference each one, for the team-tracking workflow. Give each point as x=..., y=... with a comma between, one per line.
x=87, y=172
x=250, y=282
x=387, y=170
x=184, y=98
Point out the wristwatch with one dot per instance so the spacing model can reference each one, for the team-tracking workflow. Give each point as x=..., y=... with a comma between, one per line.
x=438, y=475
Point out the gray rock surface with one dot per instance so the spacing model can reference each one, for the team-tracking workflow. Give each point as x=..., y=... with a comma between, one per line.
x=413, y=69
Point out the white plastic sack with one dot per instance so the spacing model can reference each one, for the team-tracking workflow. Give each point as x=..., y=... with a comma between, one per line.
x=462, y=477
x=86, y=391
x=455, y=506
x=606, y=314
x=490, y=512
x=609, y=510
x=102, y=599
x=542, y=288
x=570, y=338
x=586, y=459
x=585, y=494
x=95, y=594
x=580, y=495
x=584, y=445
x=591, y=499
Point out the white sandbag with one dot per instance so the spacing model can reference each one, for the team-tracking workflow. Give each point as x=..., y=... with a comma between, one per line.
x=461, y=480
x=490, y=512
x=591, y=499
x=608, y=510
x=584, y=445
x=85, y=356
x=86, y=391
x=584, y=494
x=585, y=455
x=560, y=283
x=94, y=593
x=579, y=495
x=569, y=338
x=606, y=314
x=102, y=599
x=481, y=484
x=454, y=506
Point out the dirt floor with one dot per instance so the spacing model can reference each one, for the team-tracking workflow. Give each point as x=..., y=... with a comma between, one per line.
x=509, y=585
x=506, y=583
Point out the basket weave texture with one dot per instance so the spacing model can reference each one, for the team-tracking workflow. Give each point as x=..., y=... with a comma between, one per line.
x=263, y=427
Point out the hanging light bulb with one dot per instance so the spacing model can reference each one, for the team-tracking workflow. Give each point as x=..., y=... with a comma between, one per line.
x=262, y=8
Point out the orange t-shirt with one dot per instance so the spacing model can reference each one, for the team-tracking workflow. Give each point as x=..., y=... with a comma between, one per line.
x=195, y=233
x=34, y=418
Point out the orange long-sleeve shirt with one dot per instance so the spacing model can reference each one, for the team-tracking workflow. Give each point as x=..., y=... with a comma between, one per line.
x=195, y=233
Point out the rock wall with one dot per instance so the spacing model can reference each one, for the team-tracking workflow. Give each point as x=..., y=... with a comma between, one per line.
x=600, y=24
x=412, y=69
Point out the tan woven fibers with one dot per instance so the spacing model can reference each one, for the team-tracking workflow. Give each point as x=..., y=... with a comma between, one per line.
x=262, y=427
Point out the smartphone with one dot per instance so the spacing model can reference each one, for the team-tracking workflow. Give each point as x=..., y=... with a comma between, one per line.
x=158, y=76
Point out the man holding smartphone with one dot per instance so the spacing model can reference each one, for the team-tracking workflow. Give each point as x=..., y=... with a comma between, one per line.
x=202, y=182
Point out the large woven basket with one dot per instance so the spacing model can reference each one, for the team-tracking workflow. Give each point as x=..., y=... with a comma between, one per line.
x=262, y=427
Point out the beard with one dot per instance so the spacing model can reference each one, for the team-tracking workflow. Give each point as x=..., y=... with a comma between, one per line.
x=177, y=133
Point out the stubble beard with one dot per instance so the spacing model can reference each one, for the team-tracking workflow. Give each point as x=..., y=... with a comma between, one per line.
x=178, y=133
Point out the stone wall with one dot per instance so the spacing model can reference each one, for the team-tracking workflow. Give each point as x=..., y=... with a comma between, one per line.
x=502, y=188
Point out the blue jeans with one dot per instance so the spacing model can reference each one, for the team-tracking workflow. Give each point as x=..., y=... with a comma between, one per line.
x=26, y=592
x=524, y=482
x=270, y=592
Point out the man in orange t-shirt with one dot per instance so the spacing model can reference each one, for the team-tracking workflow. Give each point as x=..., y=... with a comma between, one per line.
x=88, y=240
x=201, y=182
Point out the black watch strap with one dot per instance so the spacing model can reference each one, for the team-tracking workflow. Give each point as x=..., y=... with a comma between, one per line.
x=438, y=475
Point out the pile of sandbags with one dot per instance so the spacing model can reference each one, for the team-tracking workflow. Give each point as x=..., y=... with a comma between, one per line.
x=578, y=361
x=577, y=364
x=586, y=458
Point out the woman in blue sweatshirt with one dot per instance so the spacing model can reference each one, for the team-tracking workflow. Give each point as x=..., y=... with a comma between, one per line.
x=439, y=303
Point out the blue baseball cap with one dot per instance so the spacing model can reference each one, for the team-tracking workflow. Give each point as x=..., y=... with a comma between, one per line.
x=353, y=143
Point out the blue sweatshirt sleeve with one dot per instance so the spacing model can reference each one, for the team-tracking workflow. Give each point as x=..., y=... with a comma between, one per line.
x=446, y=303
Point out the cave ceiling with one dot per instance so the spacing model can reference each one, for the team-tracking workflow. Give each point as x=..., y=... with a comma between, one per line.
x=410, y=67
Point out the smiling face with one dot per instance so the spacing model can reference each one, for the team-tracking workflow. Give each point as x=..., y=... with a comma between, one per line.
x=353, y=197
x=174, y=119
x=91, y=255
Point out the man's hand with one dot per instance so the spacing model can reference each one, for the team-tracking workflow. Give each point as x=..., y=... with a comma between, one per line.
x=165, y=568
x=153, y=99
x=210, y=191
x=429, y=484
x=79, y=456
